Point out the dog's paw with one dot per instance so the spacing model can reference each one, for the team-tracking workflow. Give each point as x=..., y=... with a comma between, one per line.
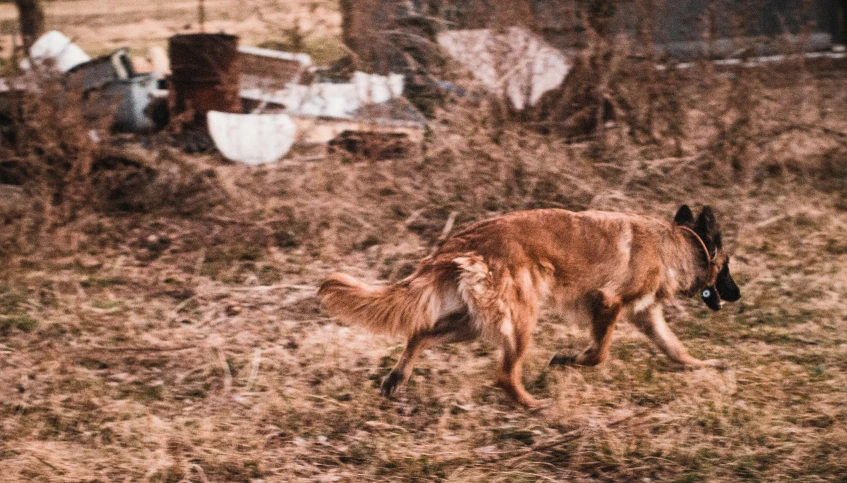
x=563, y=360
x=391, y=383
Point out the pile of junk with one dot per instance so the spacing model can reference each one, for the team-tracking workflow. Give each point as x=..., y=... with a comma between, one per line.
x=253, y=103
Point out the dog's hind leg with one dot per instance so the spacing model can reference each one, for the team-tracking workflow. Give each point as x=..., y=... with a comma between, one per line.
x=652, y=323
x=517, y=333
x=605, y=311
x=451, y=328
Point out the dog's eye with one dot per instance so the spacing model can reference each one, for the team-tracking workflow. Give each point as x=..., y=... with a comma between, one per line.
x=707, y=293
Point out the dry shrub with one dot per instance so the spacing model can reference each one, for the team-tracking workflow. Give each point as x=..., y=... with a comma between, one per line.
x=471, y=166
x=623, y=95
x=607, y=87
x=167, y=183
x=52, y=146
x=488, y=166
x=63, y=163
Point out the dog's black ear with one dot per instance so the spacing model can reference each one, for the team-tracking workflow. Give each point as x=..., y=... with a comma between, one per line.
x=705, y=224
x=684, y=216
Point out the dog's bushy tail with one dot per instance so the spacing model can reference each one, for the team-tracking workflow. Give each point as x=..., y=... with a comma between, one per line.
x=403, y=308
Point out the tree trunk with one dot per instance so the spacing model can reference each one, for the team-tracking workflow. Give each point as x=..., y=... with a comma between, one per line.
x=32, y=20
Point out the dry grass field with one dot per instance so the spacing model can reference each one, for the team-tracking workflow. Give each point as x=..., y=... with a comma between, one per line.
x=101, y=26
x=180, y=339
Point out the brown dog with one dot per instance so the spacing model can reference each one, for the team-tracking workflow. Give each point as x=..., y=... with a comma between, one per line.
x=490, y=279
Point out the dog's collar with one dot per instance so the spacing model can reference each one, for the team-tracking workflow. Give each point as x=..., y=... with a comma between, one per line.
x=702, y=244
x=706, y=251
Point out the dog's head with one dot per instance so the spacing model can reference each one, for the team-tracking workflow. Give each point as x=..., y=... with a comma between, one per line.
x=719, y=283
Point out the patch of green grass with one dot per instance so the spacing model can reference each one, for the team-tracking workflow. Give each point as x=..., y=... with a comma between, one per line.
x=648, y=375
x=360, y=453
x=517, y=434
x=102, y=282
x=106, y=304
x=828, y=461
x=413, y=468
x=171, y=474
x=655, y=394
x=221, y=259
x=751, y=467
x=58, y=330
x=8, y=67
x=543, y=384
x=712, y=422
x=388, y=361
x=836, y=247
x=325, y=50
x=268, y=275
x=23, y=322
x=10, y=300
x=804, y=220
x=141, y=392
x=195, y=393
x=232, y=469
x=92, y=363
x=151, y=362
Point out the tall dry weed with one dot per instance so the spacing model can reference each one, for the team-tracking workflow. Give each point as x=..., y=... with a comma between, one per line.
x=54, y=145
x=62, y=160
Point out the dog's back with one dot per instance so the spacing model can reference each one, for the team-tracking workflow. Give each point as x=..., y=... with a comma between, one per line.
x=567, y=254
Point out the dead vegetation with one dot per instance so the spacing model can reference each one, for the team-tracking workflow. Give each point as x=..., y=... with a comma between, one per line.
x=158, y=319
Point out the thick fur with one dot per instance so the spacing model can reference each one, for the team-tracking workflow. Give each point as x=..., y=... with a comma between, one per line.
x=490, y=280
x=405, y=308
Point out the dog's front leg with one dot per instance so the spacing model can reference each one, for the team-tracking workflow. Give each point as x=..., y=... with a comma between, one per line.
x=651, y=322
x=605, y=310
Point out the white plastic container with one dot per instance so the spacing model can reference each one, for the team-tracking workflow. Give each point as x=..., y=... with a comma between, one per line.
x=56, y=47
x=251, y=138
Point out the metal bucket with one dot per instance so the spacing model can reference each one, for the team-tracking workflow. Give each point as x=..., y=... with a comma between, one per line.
x=205, y=75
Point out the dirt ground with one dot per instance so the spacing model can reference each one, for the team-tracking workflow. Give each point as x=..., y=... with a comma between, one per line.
x=188, y=344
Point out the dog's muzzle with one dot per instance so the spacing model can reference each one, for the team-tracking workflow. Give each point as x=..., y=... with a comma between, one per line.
x=711, y=298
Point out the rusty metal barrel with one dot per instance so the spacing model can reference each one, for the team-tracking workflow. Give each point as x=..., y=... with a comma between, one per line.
x=205, y=75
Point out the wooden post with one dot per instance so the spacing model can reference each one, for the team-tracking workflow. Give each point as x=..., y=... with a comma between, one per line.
x=31, y=15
